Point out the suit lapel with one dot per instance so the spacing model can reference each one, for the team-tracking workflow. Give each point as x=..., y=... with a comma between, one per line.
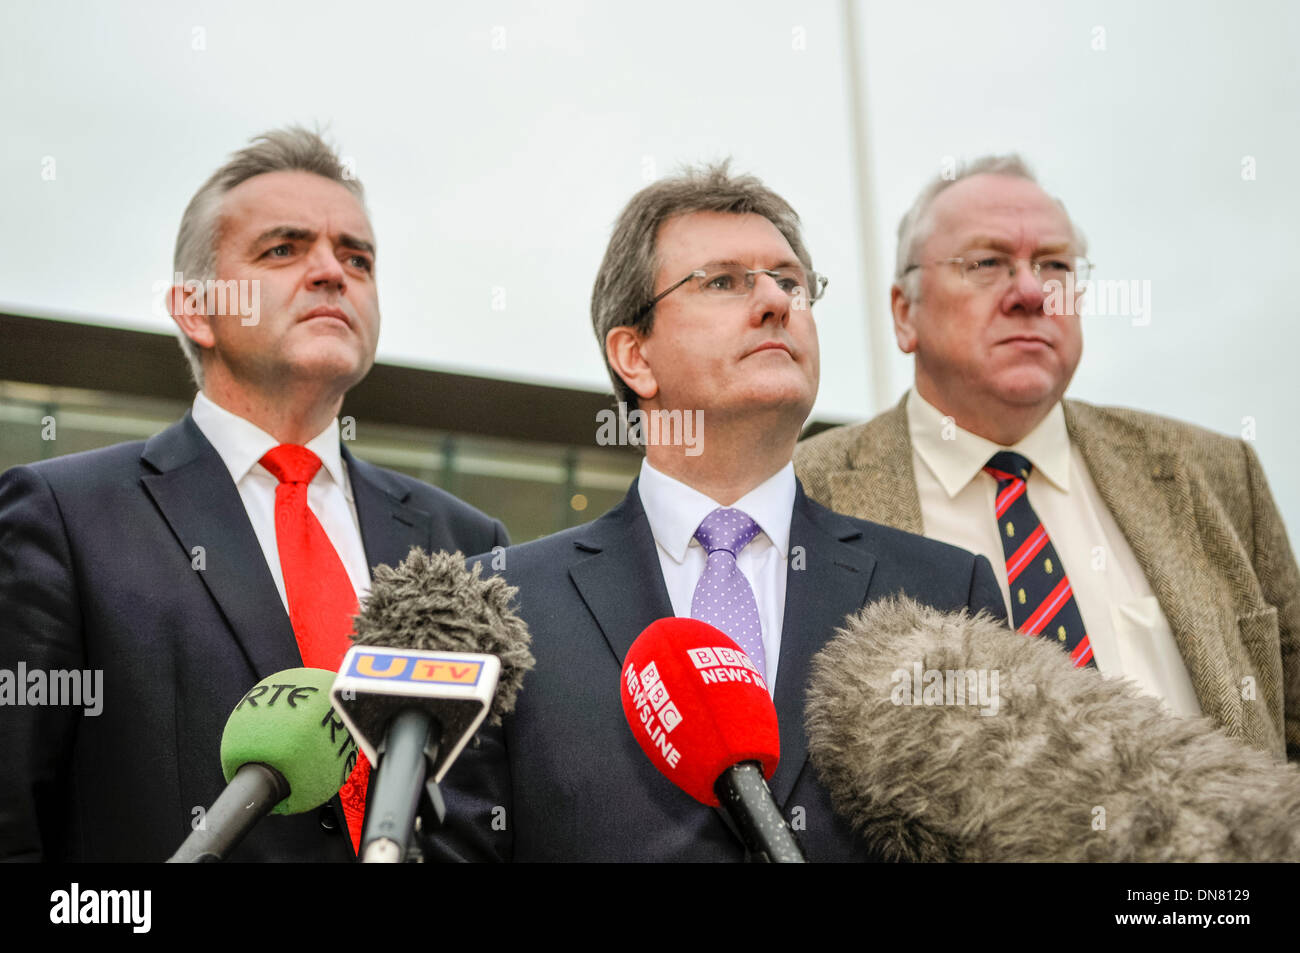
x=194, y=492
x=236, y=574
x=827, y=580
x=880, y=480
x=1148, y=491
x=621, y=581
x=389, y=526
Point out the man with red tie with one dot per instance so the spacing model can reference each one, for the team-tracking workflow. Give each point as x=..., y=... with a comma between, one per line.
x=232, y=545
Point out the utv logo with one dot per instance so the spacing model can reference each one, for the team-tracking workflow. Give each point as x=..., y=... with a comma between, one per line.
x=102, y=906
x=416, y=668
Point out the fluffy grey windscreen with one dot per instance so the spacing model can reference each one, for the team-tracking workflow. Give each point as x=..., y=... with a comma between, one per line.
x=433, y=603
x=1051, y=763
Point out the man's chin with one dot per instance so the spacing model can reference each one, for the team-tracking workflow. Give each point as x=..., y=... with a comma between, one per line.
x=329, y=366
x=792, y=404
x=1029, y=384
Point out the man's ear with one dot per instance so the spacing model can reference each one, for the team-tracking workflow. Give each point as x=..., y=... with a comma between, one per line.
x=904, y=327
x=188, y=307
x=623, y=350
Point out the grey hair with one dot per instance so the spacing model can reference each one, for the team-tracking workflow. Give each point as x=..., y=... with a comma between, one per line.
x=915, y=226
x=626, y=279
x=293, y=149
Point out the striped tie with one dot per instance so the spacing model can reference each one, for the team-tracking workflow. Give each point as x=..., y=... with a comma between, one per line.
x=1042, y=600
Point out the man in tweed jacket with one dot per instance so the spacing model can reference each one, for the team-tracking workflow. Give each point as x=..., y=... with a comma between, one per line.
x=1177, y=554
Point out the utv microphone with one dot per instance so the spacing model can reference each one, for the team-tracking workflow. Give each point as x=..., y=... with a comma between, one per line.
x=437, y=650
x=701, y=712
x=284, y=751
x=412, y=713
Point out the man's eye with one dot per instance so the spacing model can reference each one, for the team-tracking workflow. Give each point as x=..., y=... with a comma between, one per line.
x=722, y=282
x=1058, y=266
x=274, y=252
x=982, y=263
x=788, y=285
x=362, y=262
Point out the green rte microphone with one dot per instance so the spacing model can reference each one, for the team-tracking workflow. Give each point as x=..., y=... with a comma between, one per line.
x=284, y=751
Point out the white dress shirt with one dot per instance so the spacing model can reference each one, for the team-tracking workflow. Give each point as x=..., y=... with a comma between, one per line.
x=241, y=444
x=1129, y=633
x=675, y=512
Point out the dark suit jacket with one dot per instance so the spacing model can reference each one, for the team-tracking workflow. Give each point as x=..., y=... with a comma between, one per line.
x=1195, y=508
x=95, y=573
x=565, y=776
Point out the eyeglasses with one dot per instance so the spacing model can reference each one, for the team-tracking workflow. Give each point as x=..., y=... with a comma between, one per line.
x=735, y=281
x=987, y=269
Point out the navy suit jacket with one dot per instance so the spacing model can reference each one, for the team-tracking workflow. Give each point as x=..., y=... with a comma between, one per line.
x=564, y=778
x=96, y=572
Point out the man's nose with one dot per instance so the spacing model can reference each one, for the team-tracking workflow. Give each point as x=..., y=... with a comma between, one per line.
x=324, y=269
x=1026, y=291
x=767, y=301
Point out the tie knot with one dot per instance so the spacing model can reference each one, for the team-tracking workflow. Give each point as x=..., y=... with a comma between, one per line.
x=727, y=529
x=1005, y=465
x=290, y=463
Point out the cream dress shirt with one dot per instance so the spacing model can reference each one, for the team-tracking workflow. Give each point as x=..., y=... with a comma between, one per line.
x=1129, y=633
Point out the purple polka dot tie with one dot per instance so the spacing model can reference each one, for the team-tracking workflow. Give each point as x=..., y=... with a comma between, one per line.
x=723, y=597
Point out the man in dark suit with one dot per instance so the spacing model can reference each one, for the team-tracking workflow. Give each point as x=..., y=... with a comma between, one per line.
x=703, y=306
x=182, y=568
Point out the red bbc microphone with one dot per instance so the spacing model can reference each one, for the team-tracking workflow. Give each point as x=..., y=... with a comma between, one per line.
x=702, y=714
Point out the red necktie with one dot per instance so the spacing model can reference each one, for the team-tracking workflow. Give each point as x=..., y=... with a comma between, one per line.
x=320, y=595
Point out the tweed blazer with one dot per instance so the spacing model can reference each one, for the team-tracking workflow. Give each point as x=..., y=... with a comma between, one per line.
x=1196, y=510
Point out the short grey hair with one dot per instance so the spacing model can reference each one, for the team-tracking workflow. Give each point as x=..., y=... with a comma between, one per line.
x=915, y=226
x=293, y=149
x=626, y=279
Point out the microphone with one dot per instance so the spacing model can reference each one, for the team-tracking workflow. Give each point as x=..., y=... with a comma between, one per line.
x=701, y=712
x=284, y=751
x=941, y=738
x=437, y=649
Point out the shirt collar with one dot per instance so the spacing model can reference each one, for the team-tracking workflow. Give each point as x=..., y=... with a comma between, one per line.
x=676, y=510
x=955, y=461
x=241, y=443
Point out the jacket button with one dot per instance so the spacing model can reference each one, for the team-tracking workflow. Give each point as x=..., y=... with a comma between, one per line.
x=327, y=820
